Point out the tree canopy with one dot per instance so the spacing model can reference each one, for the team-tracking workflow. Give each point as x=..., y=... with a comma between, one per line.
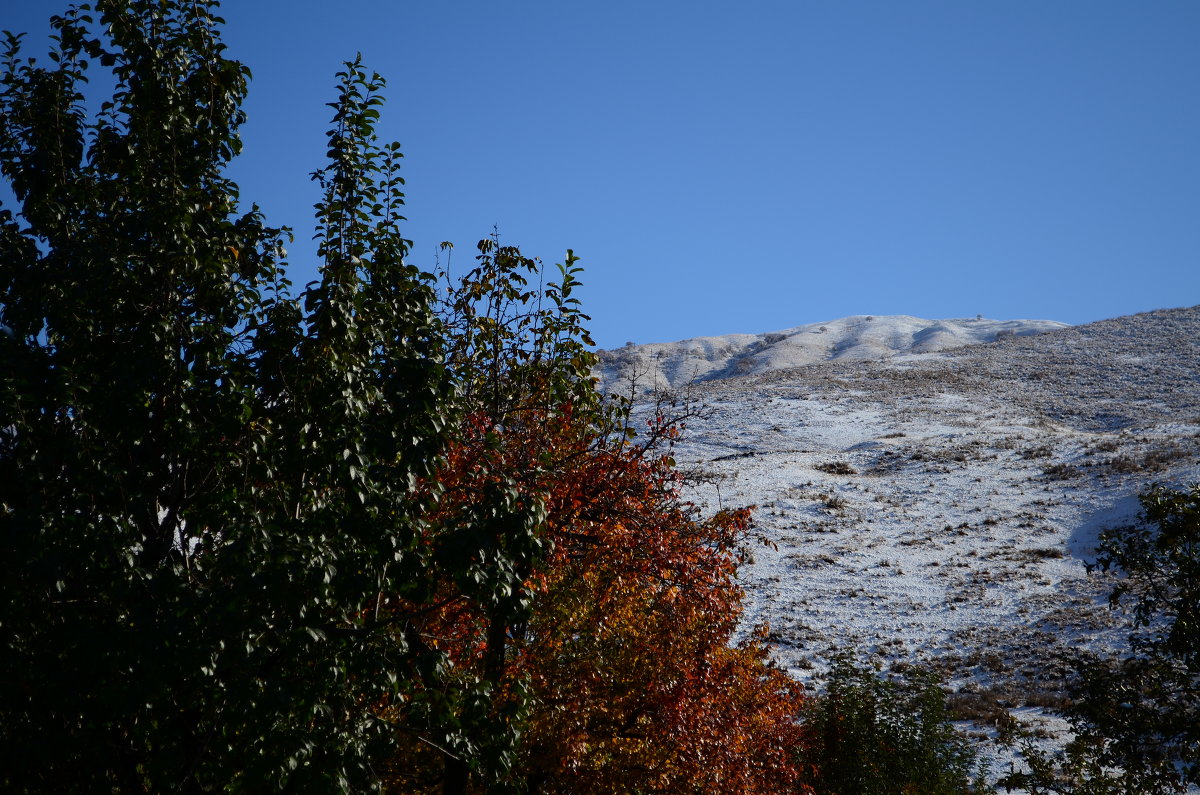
x=381, y=531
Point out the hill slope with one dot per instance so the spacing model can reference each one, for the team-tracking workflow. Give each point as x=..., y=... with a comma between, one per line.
x=943, y=506
x=857, y=338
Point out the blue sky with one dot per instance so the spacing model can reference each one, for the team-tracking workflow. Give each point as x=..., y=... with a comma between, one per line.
x=744, y=167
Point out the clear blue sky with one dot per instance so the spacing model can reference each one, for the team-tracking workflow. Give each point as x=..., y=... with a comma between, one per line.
x=748, y=166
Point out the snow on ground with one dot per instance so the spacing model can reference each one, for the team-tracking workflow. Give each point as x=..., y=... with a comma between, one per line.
x=857, y=338
x=942, y=507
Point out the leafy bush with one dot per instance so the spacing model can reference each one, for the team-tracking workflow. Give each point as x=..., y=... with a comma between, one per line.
x=874, y=735
x=1148, y=707
x=1137, y=719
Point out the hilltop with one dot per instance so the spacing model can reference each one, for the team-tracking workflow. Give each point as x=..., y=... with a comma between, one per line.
x=855, y=338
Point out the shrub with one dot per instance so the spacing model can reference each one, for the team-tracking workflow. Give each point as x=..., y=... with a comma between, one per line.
x=1136, y=719
x=1041, y=451
x=870, y=733
x=836, y=468
x=1060, y=471
x=834, y=502
x=1146, y=708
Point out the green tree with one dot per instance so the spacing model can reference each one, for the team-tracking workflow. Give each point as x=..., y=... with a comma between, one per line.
x=1137, y=719
x=208, y=485
x=1147, y=708
x=129, y=286
x=1150, y=712
x=874, y=734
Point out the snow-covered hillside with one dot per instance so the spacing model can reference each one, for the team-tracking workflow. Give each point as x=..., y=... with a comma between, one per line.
x=857, y=338
x=941, y=507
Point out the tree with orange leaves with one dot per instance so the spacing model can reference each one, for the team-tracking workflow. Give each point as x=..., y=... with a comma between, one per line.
x=619, y=670
x=638, y=688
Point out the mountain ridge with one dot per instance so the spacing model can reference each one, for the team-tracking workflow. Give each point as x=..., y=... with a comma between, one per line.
x=853, y=338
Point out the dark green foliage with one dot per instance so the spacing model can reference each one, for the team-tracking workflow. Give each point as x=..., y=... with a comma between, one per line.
x=1080, y=769
x=1149, y=707
x=129, y=285
x=208, y=486
x=871, y=734
x=1137, y=719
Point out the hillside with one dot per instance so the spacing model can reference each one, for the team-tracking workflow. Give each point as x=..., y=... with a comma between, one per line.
x=856, y=338
x=943, y=506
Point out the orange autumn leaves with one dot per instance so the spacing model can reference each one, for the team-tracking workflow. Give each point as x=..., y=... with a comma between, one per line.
x=580, y=618
x=623, y=674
